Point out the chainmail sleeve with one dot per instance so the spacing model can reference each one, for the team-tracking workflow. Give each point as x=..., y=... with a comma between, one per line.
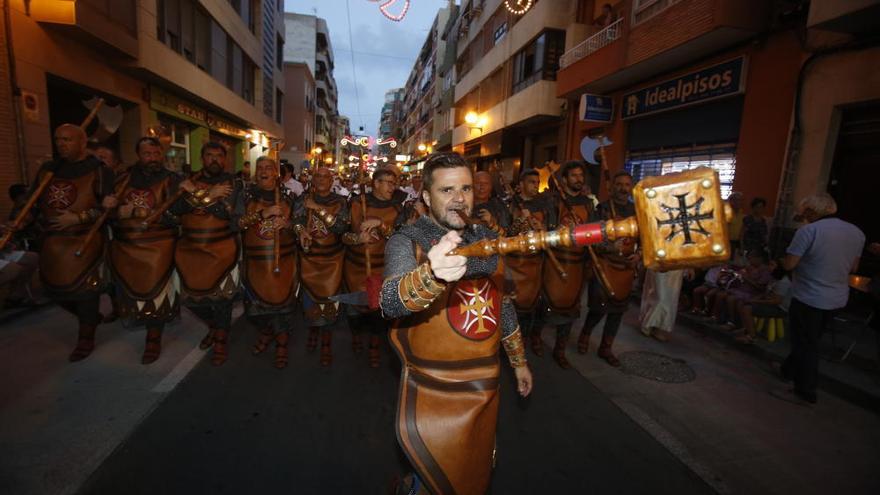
x=399, y=260
x=509, y=322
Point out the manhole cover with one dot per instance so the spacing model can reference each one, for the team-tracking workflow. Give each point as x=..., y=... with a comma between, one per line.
x=656, y=367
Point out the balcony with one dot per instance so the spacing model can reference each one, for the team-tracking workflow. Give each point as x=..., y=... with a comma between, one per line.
x=845, y=16
x=635, y=48
x=599, y=40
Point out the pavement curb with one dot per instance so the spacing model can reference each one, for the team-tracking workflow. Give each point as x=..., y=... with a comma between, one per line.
x=829, y=384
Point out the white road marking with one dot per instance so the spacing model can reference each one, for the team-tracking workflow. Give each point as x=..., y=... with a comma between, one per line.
x=180, y=371
x=672, y=444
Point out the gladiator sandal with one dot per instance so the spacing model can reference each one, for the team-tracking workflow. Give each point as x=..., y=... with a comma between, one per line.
x=584, y=342
x=220, y=351
x=356, y=345
x=605, y=352
x=153, y=346
x=374, y=351
x=281, y=350
x=326, y=352
x=312, y=343
x=559, y=352
x=537, y=343
x=262, y=342
x=85, y=343
x=207, y=340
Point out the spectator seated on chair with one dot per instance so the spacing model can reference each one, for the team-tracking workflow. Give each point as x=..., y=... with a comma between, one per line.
x=703, y=296
x=772, y=305
x=749, y=283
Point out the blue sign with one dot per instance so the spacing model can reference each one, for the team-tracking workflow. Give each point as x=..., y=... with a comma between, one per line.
x=596, y=108
x=718, y=81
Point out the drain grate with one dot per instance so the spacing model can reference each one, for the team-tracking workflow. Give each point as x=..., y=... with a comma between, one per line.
x=656, y=367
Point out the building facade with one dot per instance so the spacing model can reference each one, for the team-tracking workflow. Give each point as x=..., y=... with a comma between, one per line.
x=421, y=93
x=507, y=112
x=779, y=97
x=185, y=71
x=308, y=42
x=299, y=113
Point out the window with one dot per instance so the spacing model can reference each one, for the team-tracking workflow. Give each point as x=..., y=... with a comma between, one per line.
x=279, y=52
x=178, y=151
x=646, y=9
x=538, y=60
x=203, y=40
x=721, y=158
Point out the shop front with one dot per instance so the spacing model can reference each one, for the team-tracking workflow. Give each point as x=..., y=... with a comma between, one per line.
x=730, y=112
x=187, y=127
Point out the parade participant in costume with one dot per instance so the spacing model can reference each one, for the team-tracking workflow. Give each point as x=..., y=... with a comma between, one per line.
x=208, y=250
x=366, y=251
x=563, y=294
x=320, y=223
x=617, y=263
x=529, y=211
x=142, y=256
x=451, y=318
x=66, y=211
x=488, y=207
x=269, y=264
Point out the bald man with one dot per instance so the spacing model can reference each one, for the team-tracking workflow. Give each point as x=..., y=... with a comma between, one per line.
x=66, y=211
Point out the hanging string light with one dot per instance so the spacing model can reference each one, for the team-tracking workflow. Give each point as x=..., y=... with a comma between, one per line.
x=518, y=7
x=385, y=8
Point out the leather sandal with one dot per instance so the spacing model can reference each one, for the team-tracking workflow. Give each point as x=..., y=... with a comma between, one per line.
x=537, y=345
x=281, y=351
x=85, y=343
x=152, y=347
x=356, y=345
x=326, y=351
x=312, y=342
x=207, y=340
x=584, y=343
x=220, y=351
x=262, y=342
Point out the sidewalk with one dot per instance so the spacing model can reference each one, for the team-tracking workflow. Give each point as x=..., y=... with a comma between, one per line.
x=857, y=379
x=59, y=420
x=724, y=424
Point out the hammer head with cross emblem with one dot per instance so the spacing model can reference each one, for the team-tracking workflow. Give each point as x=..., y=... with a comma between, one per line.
x=682, y=220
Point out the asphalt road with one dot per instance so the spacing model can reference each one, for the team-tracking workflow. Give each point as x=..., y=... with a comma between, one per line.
x=248, y=428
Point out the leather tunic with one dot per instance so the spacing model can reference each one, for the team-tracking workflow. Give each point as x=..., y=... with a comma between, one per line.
x=355, y=255
x=321, y=267
x=563, y=294
x=449, y=391
x=525, y=269
x=142, y=259
x=61, y=271
x=207, y=252
x=269, y=287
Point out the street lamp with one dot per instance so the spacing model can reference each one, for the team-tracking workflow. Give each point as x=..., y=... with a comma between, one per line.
x=422, y=147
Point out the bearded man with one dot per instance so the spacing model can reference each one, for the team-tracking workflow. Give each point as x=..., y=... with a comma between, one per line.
x=208, y=250
x=142, y=256
x=563, y=294
x=451, y=318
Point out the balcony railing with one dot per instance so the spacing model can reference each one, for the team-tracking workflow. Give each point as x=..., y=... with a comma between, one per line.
x=603, y=38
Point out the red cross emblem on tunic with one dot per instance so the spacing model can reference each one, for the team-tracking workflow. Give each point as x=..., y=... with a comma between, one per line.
x=266, y=229
x=474, y=309
x=141, y=198
x=318, y=230
x=60, y=194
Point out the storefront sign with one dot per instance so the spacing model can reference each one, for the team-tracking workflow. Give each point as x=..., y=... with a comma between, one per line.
x=596, y=108
x=175, y=107
x=718, y=81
